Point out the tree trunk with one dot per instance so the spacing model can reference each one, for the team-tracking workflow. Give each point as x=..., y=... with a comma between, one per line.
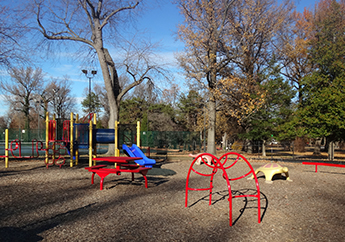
x=211, y=134
x=212, y=81
x=111, y=83
x=331, y=151
x=264, y=148
x=249, y=146
x=225, y=141
x=317, y=150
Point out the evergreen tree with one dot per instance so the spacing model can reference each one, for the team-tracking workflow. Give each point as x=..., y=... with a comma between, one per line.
x=91, y=104
x=133, y=110
x=190, y=108
x=322, y=111
x=276, y=110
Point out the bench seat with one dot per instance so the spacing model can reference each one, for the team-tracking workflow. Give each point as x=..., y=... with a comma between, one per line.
x=95, y=167
x=316, y=164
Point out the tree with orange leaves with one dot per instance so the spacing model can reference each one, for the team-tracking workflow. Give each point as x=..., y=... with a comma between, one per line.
x=293, y=49
x=203, y=33
x=227, y=42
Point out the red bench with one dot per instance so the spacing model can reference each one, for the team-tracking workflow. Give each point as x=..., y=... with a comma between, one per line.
x=316, y=164
x=102, y=172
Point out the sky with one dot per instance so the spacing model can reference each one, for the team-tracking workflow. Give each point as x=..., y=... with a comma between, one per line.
x=160, y=23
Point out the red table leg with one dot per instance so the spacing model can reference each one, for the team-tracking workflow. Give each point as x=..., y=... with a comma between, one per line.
x=144, y=175
x=92, y=177
x=102, y=175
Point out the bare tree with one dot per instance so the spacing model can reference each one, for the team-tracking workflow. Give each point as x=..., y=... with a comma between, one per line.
x=92, y=24
x=147, y=91
x=16, y=119
x=204, y=58
x=171, y=95
x=141, y=64
x=3, y=122
x=293, y=49
x=254, y=24
x=228, y=41
x=22, y=90
x=58, y=94
x=12, y=33
x=255, y=27
x=101, y=93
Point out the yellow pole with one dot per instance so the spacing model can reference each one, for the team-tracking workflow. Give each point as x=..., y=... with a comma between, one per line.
x=76, y=135
x=47, y=137
x=95, y=144
x=90, y=143
x=138, y=133
x=71, y=140
x=6, y=148
x=117, y=151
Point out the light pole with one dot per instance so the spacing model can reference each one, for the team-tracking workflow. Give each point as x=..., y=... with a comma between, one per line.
x=90, y=75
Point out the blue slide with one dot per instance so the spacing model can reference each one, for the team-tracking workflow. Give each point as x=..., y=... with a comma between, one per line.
x=135, y=151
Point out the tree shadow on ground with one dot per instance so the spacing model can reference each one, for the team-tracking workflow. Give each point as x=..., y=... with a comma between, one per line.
x=13, y=234
x=22, y=170
x=30, y=232
x=138, y=181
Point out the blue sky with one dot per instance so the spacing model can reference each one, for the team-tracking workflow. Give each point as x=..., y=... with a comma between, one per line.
x=160, y=24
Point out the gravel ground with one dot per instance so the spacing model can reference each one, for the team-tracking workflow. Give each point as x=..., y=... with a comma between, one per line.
x=39, y=204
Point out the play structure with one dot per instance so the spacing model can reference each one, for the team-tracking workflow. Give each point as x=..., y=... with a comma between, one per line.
x=76, y=135
x=271, y=169
x=135, y=151
x=79, y=135
x=223, y=164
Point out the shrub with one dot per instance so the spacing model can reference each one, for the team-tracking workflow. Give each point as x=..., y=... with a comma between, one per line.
x=237, y=145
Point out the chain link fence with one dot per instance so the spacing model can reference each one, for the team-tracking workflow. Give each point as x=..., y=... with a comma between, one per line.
x=171, y=140
x=178, y=141
x=26, y=137
x=162, y=141
x=292, y=151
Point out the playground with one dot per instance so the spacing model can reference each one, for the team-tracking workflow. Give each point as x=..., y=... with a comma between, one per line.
x=63, y=141
x=66, y=190
x=60, y=204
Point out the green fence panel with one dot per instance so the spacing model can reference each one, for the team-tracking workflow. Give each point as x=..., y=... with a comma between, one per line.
x=24, y=135
x=178, y=140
